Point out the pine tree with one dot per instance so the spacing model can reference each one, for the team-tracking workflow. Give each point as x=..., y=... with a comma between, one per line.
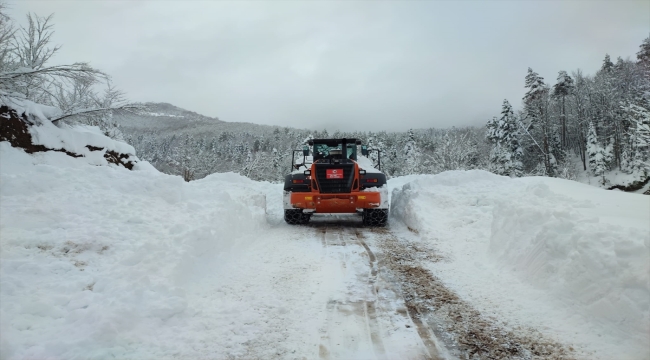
x=625, y=161
x=562, y=89
x=277, y=164
x=557, y=154
x=412, y=155
x=643, y=56
x=608, y=154
x=512, y=139
x=595, y=152
x=536, y=110
x=607, y=64
x=505, y=157
x=536, y=88
x=639, y=117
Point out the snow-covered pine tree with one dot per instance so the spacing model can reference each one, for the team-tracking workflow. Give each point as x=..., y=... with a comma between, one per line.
x=537, y=113
x=372, y=145
x=625, y=160
x=411, y=154
x=643, y=56
x=608, y=154
x=562, y=89
x=639, y=117
x=607, y=64
x=497, y=158
x=505, y=156
x=592, y=146
x=595, y=152
x=511, y=139
x=536, y=89
x=277, y=160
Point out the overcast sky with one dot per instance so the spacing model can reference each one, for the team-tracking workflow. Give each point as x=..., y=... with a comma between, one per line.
x=340, y=65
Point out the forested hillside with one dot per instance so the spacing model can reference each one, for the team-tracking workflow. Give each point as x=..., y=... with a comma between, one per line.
x=600, y=122
x=593, y=128
x=264, y=152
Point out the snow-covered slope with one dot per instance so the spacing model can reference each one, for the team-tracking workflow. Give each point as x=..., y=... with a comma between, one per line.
x=95, y=258
x=541, y=252
x=165, y=119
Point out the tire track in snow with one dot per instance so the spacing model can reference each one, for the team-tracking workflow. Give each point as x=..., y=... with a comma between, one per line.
x=425, y=333
x=352, y=326
x=371, y=309
x=462, y=328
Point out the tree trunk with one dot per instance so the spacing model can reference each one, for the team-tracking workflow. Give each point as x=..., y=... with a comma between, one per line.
x=563, y=124
x=617, y=144
x=583, y=151
x=547, y=157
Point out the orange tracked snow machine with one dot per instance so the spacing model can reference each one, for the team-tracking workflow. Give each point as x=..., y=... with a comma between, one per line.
x=334, y=180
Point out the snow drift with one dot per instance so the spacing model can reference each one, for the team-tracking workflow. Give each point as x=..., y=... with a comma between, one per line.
x=584, y=247
x=95, y=258
x=599, y=260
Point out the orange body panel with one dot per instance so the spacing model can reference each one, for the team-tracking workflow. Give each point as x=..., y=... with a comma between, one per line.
x=336, y=203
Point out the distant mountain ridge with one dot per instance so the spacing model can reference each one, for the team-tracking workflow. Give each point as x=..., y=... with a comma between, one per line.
x=167, y=119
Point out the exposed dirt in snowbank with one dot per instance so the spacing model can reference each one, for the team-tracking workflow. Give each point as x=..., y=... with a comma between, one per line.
x=465, y=332
x=15, y=130
x=632, y=187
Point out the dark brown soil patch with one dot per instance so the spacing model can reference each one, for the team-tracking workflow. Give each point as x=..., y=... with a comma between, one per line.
x=15, y=130
x=637, y=185
x=119, y=159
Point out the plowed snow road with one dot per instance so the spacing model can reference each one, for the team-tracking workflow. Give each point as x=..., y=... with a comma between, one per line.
x=316, y=291
x=366, y=315
x=336, y=290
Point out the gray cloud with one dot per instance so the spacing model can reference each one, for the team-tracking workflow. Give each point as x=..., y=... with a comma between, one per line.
x=341, y=65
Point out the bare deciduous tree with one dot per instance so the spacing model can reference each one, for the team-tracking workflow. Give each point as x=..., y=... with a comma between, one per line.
x=26, y=75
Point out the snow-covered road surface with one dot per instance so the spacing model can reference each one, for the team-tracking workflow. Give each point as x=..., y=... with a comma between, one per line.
x=100, y=262
x=366, y=316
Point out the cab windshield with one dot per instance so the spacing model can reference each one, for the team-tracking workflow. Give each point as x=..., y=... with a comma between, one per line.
x=333, y=150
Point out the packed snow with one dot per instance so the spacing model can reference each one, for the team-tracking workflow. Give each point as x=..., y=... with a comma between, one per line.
x=99, y=261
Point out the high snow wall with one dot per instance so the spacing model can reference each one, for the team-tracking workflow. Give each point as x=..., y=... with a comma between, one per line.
x=96, y=258
x=585, y=247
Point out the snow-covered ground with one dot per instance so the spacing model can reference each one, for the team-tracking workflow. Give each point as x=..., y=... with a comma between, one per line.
x=99, y=262
x=540, y=252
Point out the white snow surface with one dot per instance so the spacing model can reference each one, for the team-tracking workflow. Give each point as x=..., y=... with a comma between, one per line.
x=540, y=252
x=76, y=138
x=35, y=112
x=102, y=262
x=366, y=164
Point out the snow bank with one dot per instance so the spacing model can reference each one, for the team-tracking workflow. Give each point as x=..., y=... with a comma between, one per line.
x=37, y=134
x=38, y=112
x=76, y=139
x=507, y=243
x=96, y=260
x=560, y=241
